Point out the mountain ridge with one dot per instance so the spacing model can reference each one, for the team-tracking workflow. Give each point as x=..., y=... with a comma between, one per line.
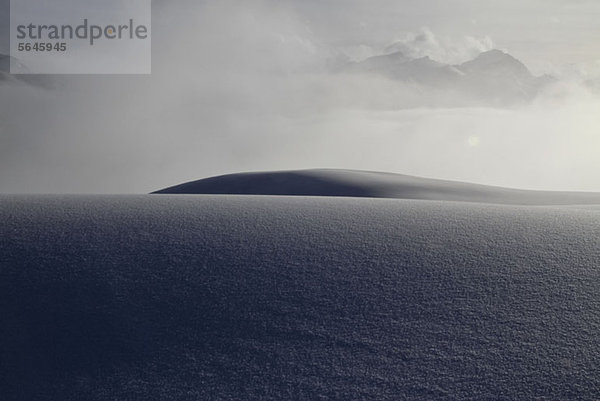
x=494, y=76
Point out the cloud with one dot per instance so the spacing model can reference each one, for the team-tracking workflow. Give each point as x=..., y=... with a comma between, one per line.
x=445, y=50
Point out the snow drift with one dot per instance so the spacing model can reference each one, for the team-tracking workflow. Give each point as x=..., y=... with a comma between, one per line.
x=372, y=185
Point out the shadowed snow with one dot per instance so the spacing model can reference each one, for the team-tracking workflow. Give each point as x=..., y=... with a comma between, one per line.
x=372, y=185
x=273, y=298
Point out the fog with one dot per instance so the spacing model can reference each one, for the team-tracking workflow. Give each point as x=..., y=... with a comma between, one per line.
x=257, y=85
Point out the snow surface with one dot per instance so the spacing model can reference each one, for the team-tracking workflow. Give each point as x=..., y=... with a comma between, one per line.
x=296, y=298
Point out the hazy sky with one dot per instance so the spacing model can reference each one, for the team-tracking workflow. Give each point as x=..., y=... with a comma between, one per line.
x=557, y=30
x=240, y=85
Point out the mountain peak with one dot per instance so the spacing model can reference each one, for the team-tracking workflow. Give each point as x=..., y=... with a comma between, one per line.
x=495, y=61
x=396, y=54
x=497, y=52
x=495, y=55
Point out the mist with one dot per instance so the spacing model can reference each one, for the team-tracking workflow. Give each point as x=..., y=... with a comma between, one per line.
x=249, y=86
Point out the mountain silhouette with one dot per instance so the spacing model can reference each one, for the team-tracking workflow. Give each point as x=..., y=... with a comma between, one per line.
x=493, y=77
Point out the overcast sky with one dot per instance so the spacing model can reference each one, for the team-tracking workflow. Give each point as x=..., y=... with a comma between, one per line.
x=238, y=86
x=557, y=31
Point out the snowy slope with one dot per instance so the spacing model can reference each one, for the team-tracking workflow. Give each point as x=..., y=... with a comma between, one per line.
x=294, y=298
x=355, y=183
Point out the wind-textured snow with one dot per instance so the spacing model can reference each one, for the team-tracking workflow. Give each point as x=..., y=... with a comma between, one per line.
x=296, y=298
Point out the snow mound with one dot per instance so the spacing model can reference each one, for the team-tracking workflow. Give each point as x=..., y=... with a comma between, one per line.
x=350, y=183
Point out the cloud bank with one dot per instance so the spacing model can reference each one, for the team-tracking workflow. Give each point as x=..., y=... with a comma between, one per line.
x=445, y=50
